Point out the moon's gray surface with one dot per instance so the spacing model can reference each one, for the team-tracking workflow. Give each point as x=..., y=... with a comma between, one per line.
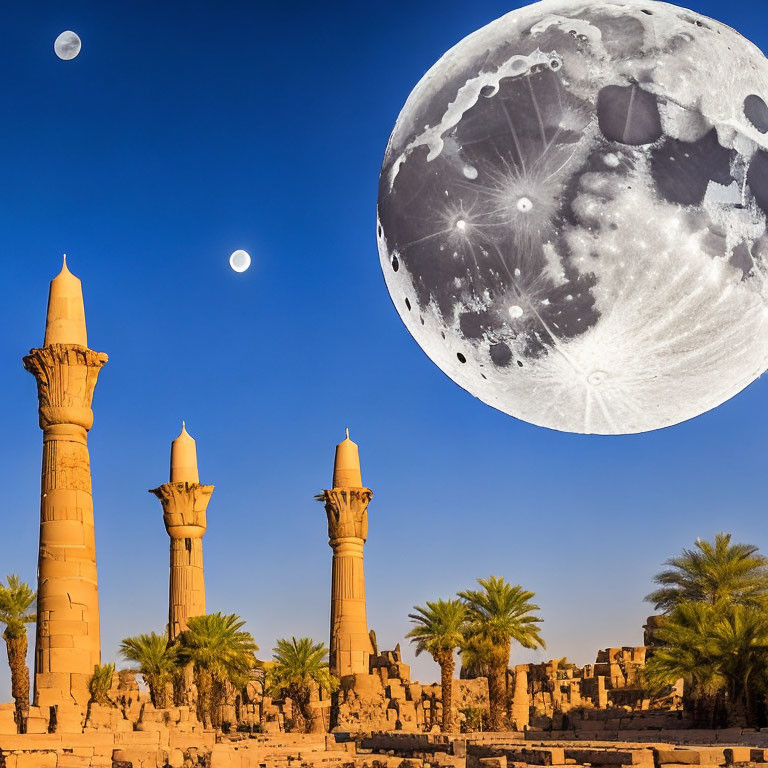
x=240, y=260
x=572, y=214
x=67, y=45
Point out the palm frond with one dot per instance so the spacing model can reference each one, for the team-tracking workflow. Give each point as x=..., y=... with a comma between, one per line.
x=438, y=628
x=299, y=664
x=17, y=601
x=713, y=572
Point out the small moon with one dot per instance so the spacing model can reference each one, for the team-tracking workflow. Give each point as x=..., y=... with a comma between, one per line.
x=240, y=260
x=67, y=45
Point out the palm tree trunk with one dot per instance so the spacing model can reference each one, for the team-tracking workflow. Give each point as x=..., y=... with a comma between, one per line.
x=184, y=686
x=150, y=681
x=497, y=687
x=17, y=661
x=297, y=696
x=162, y=694
x=157, y=691
x=306, y=711
x=217, y=700
x=180, y=691
x=204, y=690
x=447, y=666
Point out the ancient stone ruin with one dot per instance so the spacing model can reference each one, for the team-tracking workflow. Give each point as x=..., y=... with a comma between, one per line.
x=561, y=715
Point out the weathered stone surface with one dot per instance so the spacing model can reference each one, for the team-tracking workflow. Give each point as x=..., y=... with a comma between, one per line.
x=347, y=511
x=31, y=760
x=185, y=504
x=493, y=762
x=699, y=756
x=67, y=640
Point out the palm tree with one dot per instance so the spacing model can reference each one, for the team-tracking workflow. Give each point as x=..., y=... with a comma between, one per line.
x=720, y=651
x=687, y=652
x=299, y=666
x=475, y=653
x=564, y=664
x=221, y=654
x=158, y=661
x=740, y=643
x=500, y=613
x=16, y=611
x=439, y=630
x=100, y=684
x=713, y=572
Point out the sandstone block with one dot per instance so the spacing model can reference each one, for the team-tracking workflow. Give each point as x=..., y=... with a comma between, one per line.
x=37, y=725
x=728, y=735
x=225, y=756
x=403, y=671
x=698, y=756
x=7, y=723
x=31, y=760
x=549, y=756
x=395, y=690
x=145, y=726
x=66, y=760
x=682, y=765
x=137, y=739
x=414, y=691
x=139, y=758
x=612, y=757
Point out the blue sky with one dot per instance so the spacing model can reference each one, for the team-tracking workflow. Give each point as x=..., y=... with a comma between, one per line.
x=186, y=130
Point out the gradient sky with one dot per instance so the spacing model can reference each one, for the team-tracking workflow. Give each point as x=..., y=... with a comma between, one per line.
x=186, y=130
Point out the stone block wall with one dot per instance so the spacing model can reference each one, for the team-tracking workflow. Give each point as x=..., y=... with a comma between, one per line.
x=387, y=699
x=562, y=695
x=551, y=696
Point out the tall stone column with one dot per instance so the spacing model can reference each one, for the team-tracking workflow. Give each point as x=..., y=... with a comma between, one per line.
x=67, y=643
x=346, y=505
x=521, y=710
x=185, y=504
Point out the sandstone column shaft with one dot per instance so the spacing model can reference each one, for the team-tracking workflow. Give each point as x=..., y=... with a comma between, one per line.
x=520, y=700
x=186, y=589
x=184, y=514
x=350, y=647
x=67, y=642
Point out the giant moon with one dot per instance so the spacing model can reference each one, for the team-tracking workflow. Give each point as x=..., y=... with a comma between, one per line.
x=572, y=214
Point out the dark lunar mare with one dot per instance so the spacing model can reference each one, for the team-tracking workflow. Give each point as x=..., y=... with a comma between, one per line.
x=757, y=178
x=682, y=170
x=756, y=111
x=628, y=114
x=517, y=130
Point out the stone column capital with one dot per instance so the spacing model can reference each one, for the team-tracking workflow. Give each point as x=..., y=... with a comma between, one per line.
x=347, y=511
x=66, y=378
x=184, y=508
